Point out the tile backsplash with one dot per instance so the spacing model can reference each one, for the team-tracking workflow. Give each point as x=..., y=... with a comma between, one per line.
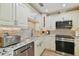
x=25, y=33
x=63, y=32
x=11, y=32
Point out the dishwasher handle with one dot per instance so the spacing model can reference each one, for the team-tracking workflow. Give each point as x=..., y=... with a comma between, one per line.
x=26, y=49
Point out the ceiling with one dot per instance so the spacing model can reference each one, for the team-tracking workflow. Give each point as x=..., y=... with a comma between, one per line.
x=54, y=8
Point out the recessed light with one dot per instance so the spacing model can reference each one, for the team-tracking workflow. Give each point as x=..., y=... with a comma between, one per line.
x=64, y=5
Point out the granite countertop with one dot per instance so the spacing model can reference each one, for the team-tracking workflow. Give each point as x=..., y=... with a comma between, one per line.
x=22, y=43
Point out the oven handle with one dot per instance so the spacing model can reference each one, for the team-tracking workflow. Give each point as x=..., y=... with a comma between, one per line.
x=26, y=49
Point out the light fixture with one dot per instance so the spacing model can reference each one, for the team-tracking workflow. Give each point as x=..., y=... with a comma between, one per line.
x=64, y=5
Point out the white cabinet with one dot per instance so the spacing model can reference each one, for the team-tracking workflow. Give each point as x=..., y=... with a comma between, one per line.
x=47, y=23
x=39, y=25
x=47, y=42
x=6, y=11
x=21, y=15
x=77, y=46
x=16, y=14
x=6, y=14
x=76, y=19
x=50, y=42
x=39, y=46
x=41, y=43
x=52, y=20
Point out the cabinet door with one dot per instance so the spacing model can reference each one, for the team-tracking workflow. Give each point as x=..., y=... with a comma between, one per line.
x=47, y=42
x=42, y=44
x=6, y=14
x=78, y=20
x=6, y=11
x=37, y=50
x=77, y=50
x=74, y=22
x=77, y=47
x=52, y=21
x=21, y=15
x=52, y=43
x=47, y=23
x=37, y=47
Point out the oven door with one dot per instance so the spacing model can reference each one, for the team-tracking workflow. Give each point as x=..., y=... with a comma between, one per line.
x=67, y=47
x=59, y=46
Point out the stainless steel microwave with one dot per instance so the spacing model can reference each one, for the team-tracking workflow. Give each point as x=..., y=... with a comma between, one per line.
x=64, y=24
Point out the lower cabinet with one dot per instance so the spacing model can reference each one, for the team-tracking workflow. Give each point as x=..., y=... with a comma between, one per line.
x=50, y=43
x=47, y=42
x=77, y=50
x=39, y=46
x=77, y=47
x=41, y=43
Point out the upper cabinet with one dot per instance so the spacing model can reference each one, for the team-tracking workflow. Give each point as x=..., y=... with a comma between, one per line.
x=52, y=20
x=6, y=14
x=73, y=15
x=23, y=12
x=16, y=14
x=21, y=15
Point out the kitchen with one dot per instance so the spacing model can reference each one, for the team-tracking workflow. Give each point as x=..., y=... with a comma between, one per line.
x=39, y=29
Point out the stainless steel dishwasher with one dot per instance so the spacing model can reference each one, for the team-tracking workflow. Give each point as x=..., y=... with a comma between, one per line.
x=24, y=50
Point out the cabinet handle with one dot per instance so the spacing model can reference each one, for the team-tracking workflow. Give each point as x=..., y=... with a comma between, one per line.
x=40, y=44
x=26, y=49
